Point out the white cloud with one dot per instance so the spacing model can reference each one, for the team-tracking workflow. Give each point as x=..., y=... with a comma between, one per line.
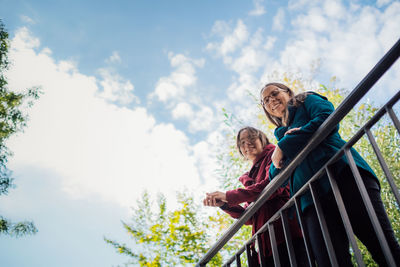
x=381, y=3
x=232, y=39
x=313, y=20
x=97, y=148
x=182, y=110
x=258, y=8
x=203, y=119
x=220, y=27
x=116, y=89
x=27, y=19
x=251, y=55
x=347, y=40
x=269, y=43
x=114, y=58
x=278, y=22
x=172, y=90
x=239, y=90
x=334, y=9
x=299, y=4
x=349, y=45
x=204, y=153
x=24, y=41
x=184, y=75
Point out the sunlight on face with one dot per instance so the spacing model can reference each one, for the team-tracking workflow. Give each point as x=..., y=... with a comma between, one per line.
x=274, y=100
x=250, y=146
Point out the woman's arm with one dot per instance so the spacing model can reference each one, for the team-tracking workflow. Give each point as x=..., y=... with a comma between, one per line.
x=251, y=193
x=218, y=199
x=318, y=110
x=235, y=211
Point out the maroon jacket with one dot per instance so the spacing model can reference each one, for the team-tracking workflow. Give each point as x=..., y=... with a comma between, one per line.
x=254, y=182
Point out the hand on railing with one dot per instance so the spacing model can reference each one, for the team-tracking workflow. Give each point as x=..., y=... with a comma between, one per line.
x=277, y=157
x=292, y=130
x=215, y=199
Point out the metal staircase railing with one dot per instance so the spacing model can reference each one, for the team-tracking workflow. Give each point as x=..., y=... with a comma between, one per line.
x=324, y=130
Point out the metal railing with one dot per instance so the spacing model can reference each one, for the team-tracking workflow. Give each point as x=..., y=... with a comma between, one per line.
x=323, y=131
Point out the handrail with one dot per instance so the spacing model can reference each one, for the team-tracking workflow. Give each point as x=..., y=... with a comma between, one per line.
x=323, y=131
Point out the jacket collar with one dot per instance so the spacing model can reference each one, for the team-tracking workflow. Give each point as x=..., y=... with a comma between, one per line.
x=267, y=149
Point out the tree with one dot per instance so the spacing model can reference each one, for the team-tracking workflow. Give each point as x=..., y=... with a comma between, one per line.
x=166, y=238
x=12, y=120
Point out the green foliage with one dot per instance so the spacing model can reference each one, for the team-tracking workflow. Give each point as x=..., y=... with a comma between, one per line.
x=166, y=238
x=16, y=229
x=12, y=120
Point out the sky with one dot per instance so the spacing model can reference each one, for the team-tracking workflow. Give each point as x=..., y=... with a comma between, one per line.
x=132, y=100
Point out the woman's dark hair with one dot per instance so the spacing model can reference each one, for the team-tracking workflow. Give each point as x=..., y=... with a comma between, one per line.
x=295, y=100
x=253, y=133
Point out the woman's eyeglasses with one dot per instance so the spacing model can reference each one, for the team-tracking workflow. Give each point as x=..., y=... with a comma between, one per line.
x=249, y=140
x=268, y=98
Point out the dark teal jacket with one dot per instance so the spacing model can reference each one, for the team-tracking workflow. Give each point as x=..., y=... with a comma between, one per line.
x=309, y=116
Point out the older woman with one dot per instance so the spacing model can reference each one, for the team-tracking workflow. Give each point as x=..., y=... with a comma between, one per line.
x=254, y=146
x=297, y=117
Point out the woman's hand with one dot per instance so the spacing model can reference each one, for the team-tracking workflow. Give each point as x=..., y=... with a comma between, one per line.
x=215, y=199
x=277, y=157
x=292, y=130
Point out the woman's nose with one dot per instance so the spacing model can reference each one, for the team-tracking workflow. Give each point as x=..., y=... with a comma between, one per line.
x=272, y=99
x=247, y=144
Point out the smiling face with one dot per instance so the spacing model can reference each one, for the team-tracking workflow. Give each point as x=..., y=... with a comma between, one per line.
x=250, y=145
x=275, y=100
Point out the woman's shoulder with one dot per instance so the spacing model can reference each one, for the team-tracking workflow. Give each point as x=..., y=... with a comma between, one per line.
x=280, y=132
x=314, y=97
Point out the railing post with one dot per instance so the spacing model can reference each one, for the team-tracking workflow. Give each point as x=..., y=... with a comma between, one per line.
x=371, y=211
x=274, y=246
x=307, y=243
x=260, y=250
x=384, y=166
x=249, y=256
x=345, y=217
x=288, y=238
x=324, y=227
x=394, y=118
x=238, y=263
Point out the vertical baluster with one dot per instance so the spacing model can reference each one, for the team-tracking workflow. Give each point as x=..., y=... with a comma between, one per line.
x=288, y=238
x=324, y=227
x=260, y=250
x=274, y=246
x=304, y=230
x=248, y=251
x=394, y=118
x=370, y=209
x=238, y=263
x=384, y=166
x=345, y=217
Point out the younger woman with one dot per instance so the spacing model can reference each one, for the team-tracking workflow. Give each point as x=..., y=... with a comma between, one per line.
x=254, y=146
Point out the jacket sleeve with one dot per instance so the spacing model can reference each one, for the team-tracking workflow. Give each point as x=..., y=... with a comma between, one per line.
x=273, y=172
x=318, y=110
x=235, y=211
x=251, y=193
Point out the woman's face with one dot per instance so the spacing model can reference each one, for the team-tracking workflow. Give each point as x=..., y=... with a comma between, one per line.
x=275, y=100
x=250, y=146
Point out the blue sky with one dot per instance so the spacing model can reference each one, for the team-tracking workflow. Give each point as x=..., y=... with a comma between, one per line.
x=132, y=99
